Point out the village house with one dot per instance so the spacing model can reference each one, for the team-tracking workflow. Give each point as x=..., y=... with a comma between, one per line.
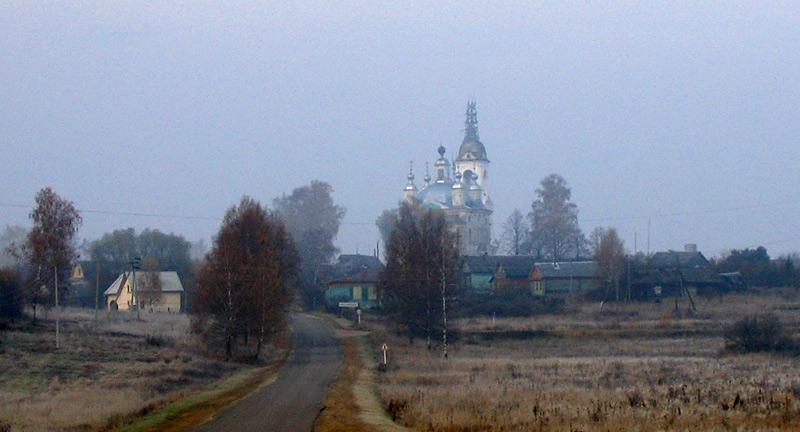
x=361, y=288
x=477, y=273
x=120, y=294
x=563, y=278
x=684, y=271
x=353, y=279
x=511, y=273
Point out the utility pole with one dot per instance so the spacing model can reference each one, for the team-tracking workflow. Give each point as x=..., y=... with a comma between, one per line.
x=444, y=298
x=135, y=265
x=96, y=293
x=58, y=314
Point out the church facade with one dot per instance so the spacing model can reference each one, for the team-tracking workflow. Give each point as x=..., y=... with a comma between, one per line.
x=462, y=196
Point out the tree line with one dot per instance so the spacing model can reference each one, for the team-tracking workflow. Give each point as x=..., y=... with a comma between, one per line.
x=260, y=259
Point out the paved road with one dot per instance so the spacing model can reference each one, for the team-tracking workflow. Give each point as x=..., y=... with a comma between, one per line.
x=292, y=402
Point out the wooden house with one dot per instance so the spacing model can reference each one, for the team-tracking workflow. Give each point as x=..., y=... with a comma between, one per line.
x=563, y=278
x=361, y=288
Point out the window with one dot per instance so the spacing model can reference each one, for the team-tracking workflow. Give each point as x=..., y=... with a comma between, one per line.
x=372, y=294
x=356, y=293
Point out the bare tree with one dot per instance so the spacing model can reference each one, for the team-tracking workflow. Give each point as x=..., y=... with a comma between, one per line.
x=555, y=233
x=593, y=242
x=11, y=241
x=515, y=233
x=421, y=271
x=313, y=221
x=610, y=258
x=149, y=290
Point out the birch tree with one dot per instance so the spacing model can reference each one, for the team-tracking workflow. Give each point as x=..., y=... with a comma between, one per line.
x=243, y=286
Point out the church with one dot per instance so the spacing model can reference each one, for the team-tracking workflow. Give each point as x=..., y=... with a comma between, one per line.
x=462, y=196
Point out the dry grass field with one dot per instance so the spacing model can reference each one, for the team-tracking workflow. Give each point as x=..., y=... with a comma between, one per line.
x=637, y=367
x=98, y=377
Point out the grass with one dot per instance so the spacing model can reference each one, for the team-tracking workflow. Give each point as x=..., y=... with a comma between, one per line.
x=197, y=408
x=640, y=367
x=351, y=403
x=341, y=412
x=103, y=378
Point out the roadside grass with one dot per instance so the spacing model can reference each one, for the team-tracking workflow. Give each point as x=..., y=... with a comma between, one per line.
x=104, y=377
x=351, y=403
x=341, y=412
x=639, y=367
x=189, y=411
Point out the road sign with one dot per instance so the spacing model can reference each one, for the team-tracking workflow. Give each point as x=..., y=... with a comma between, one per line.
x=348, y=304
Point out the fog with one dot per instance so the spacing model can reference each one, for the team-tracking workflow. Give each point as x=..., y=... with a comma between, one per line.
x=683, y=116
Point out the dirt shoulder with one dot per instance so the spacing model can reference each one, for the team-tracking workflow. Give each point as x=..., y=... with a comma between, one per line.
x=351, y=403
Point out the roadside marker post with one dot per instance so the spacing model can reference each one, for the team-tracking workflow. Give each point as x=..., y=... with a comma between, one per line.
x=384, y=348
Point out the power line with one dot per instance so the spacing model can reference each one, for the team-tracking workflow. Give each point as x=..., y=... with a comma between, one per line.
x=597, y=219
x=691, y=213
x=119, y=213
x=156, y=215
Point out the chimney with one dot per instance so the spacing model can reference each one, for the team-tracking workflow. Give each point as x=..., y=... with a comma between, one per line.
x=690, y=247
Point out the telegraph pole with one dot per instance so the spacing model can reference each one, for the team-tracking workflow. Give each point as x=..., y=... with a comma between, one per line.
x=135, y=265
x=58, y=314
x=96, y=293
x=444, y=298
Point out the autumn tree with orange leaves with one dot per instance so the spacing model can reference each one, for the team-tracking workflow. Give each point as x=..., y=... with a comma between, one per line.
x=245, y=282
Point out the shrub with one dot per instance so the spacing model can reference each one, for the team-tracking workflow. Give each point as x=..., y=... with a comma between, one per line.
x=10, y=294
x=157, y=340
x=759, y=333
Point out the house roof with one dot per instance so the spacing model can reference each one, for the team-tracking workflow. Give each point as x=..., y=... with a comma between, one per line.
x=516, y=267
x=364, y=276
x=574, y=269
x=479, y=264
x=170, y=282
x=351, y=264
x=363, y=261
x=670, y=259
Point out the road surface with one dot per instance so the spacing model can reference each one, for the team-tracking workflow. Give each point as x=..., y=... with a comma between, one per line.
x=292, y=402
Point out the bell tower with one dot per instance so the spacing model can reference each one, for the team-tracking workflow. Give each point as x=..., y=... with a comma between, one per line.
x=472, y=160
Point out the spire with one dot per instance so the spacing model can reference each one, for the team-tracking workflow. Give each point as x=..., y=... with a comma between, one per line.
x=471, y=123
x=410, y=191
x=410, y=185
x=427, y=177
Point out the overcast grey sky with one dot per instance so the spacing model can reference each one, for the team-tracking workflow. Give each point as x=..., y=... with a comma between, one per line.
x=684, y=115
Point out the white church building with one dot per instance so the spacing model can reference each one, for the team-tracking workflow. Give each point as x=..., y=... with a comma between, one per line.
x=464, y=195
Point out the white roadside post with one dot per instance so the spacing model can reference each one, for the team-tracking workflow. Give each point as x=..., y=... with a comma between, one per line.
x=358, y=312
x=384, y=348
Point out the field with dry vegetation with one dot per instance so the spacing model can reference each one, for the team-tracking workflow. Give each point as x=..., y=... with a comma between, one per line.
x=99, y=378
x=635, y=367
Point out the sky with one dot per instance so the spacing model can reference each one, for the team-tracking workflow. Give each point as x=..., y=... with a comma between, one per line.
x=681, y=117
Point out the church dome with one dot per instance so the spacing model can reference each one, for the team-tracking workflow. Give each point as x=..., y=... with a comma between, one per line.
x=471, y=149
x=439, y=192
